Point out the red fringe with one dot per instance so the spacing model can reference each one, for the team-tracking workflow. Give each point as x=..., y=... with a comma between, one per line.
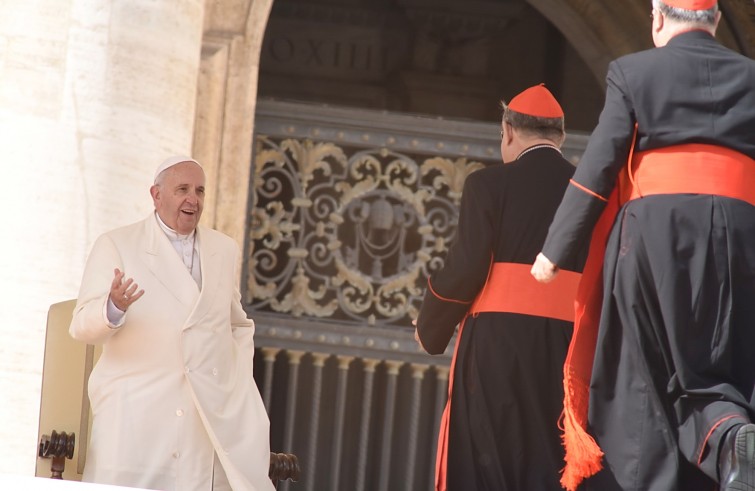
x=583, y=455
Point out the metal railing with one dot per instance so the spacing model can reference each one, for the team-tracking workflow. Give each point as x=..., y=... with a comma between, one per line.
x=360, y=407
x=351, y=210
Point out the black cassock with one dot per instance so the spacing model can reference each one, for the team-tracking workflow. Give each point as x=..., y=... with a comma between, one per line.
x=507, y=388
x=675, y=359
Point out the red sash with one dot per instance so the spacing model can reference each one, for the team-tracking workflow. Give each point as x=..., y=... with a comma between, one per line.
x=509, y=288
x=690, y=168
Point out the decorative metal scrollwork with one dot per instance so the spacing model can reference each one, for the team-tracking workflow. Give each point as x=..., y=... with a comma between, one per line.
x=348, y=233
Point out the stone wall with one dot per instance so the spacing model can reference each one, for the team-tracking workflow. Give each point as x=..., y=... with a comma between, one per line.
x=93, y=95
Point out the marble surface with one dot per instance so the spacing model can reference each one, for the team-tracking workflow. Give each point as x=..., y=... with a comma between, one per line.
x=27, y=483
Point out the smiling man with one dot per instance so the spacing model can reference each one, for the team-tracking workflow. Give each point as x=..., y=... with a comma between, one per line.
x=178, y=194
x=174, y=402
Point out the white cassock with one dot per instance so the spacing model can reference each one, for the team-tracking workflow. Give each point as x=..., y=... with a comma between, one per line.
x=172, y=394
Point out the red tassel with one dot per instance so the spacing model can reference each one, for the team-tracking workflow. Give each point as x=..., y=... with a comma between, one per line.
x=583, y=455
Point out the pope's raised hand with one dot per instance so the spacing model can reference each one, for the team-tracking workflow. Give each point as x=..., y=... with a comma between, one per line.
x=124, y=293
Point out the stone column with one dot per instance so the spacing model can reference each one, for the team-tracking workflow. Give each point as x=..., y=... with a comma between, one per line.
x=93, y=95
x=226, y=101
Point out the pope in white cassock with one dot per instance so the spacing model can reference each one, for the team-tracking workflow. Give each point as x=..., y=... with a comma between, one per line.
x=174, y=402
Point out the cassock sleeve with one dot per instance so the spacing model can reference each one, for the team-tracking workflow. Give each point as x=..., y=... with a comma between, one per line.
x=88, y=323
x=452, y=289
x=596, y=174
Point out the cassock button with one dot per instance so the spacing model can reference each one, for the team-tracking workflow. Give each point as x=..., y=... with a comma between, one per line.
x=179, y=412
x=176, y=455
x=214, y=371
x=187, y=369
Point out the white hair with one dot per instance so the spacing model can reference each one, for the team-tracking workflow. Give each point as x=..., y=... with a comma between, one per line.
x=703, y=18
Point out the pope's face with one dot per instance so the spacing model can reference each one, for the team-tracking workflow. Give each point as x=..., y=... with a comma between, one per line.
x=179, y=196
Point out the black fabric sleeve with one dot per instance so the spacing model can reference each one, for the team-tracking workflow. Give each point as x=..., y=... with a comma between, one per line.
x=605, y=156
x=437, y=321
x=452, y=289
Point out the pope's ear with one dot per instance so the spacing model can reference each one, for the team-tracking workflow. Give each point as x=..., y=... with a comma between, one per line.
x=155, y=191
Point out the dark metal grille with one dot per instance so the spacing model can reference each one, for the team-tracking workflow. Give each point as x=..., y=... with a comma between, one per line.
x=347, y=233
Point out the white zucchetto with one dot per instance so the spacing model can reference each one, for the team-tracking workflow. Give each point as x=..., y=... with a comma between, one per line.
x=171, y=161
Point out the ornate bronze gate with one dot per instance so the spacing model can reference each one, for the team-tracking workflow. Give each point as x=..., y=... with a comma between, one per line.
x=350, y=212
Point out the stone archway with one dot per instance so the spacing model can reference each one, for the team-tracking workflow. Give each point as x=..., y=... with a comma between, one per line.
x=740, y=20
x=594, y=30
x=223, y=133
x=226, y=100
x=601, y=31
x=231, y=51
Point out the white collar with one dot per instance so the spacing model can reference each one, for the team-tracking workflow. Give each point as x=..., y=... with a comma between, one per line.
x=172, y=234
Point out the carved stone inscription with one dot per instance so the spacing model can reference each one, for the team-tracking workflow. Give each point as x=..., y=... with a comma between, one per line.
x=308, y=49
x=289, y=49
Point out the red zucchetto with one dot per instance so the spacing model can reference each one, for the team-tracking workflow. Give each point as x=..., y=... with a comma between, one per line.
x=691, y=4
x=537, y=101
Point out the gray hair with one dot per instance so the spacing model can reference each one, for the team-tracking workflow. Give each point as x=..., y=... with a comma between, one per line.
x=549, y=128
x=160, y=178
x=702, y=18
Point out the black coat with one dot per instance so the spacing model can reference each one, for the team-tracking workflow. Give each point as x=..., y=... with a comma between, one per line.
x=507, y=388
x=674, y=367
x=693, y=90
